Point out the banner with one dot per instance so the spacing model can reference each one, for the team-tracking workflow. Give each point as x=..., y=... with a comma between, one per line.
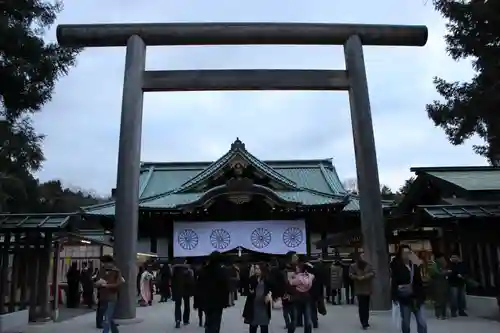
x=193, y=239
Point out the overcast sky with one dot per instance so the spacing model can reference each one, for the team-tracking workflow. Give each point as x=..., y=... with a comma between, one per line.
x=82, y=121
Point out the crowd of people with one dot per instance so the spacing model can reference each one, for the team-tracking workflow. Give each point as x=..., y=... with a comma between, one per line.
x=296, y=286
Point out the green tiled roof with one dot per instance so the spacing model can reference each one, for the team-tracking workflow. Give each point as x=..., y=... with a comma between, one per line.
x=168, y=185
x=467, y=178
x=34, y=221
x=461, y=212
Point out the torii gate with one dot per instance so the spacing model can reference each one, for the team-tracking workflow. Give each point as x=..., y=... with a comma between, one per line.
x=137, y=81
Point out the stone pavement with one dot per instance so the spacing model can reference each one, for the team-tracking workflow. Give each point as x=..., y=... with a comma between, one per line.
x=341, y=319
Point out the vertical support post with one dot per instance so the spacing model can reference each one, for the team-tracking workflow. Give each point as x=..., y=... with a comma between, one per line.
x=127, y=187
x=55, y=280
x=25, y=265
x=43, y=277
x=4, y=271
x=324, y=248
x=372, y=221
x=14, y=277
x=34, y=259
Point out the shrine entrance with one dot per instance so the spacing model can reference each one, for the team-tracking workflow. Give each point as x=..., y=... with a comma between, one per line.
x=137, y=81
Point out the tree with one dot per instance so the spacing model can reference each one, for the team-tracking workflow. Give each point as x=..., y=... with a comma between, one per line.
x=386, y=193
x=351, y=185
x=403, y=190
x=29, y=69
x=471, y=108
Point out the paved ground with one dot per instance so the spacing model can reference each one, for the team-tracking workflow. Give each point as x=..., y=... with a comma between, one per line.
x=340, y=319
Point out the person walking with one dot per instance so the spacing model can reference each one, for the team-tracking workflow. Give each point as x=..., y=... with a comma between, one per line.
x=362, y=274
x=182, y=290
x=87, y=285
x=73, y=281
x=165, y=276
x=257, y=309
x=109, y=283
x=289, y=308
x=198, y=294
x=302, y=281
x=407, y=290
x=439, y=273
x=336, y=277
x=348, y=283
x=99, y=313
x=214, y=286
x=146, y=287
x=456, y=282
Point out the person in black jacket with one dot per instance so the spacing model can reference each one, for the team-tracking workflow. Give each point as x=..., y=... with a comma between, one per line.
x=182, y=290
x=407, y=289
x=456, y=281
x=316, y=292
x=165, y=276
x=257, y=310
x=214, y=287
x=198, y=294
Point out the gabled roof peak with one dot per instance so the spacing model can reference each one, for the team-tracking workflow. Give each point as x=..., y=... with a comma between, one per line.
x=238, y=145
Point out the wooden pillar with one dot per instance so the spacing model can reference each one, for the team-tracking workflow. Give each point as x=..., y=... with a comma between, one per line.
x=324, y=249
x=4, y=272
x=55, y=279
x=24, y=269
x=170, y=236
x=14, y=278
x=33, y=274
x=43, y=277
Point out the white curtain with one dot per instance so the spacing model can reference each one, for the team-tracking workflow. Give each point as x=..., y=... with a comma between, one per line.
x=192, y=239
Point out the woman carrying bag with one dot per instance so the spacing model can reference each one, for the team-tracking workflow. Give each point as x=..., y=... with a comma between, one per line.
x=257, y=310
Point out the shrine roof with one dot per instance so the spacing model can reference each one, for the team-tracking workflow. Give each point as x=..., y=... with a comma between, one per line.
x=468, y=178
x=461, y=211
x=52, y=221
x=173, y=184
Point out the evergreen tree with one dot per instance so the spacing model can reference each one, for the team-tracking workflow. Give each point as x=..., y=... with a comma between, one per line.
x=471, y=108
x=29, y=69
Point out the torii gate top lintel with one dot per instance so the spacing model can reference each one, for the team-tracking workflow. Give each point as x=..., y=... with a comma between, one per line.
x=104, y=35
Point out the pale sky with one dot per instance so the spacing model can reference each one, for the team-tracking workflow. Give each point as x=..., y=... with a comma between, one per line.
x=82, y=121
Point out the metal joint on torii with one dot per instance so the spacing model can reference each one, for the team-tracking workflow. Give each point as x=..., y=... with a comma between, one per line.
x=137, y=80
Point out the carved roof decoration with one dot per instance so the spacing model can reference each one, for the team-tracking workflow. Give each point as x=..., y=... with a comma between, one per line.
x=238, y=159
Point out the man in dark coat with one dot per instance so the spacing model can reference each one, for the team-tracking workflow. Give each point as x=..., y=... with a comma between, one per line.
x=165, y=276
x=73, y=280
x=456, y=281
x=214, y=286
x=182, y=290
x=87, y=285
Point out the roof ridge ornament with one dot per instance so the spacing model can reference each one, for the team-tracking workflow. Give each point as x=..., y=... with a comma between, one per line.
x=237, y=145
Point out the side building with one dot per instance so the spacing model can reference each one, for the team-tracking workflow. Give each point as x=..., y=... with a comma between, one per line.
x=455, y=210
x=237, y=203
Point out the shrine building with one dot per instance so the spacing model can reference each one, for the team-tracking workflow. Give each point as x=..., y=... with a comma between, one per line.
x=237, y=203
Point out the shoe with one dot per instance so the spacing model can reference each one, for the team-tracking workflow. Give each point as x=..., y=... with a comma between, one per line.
x=186, y=323
x=177, y=324
x=462, y=314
